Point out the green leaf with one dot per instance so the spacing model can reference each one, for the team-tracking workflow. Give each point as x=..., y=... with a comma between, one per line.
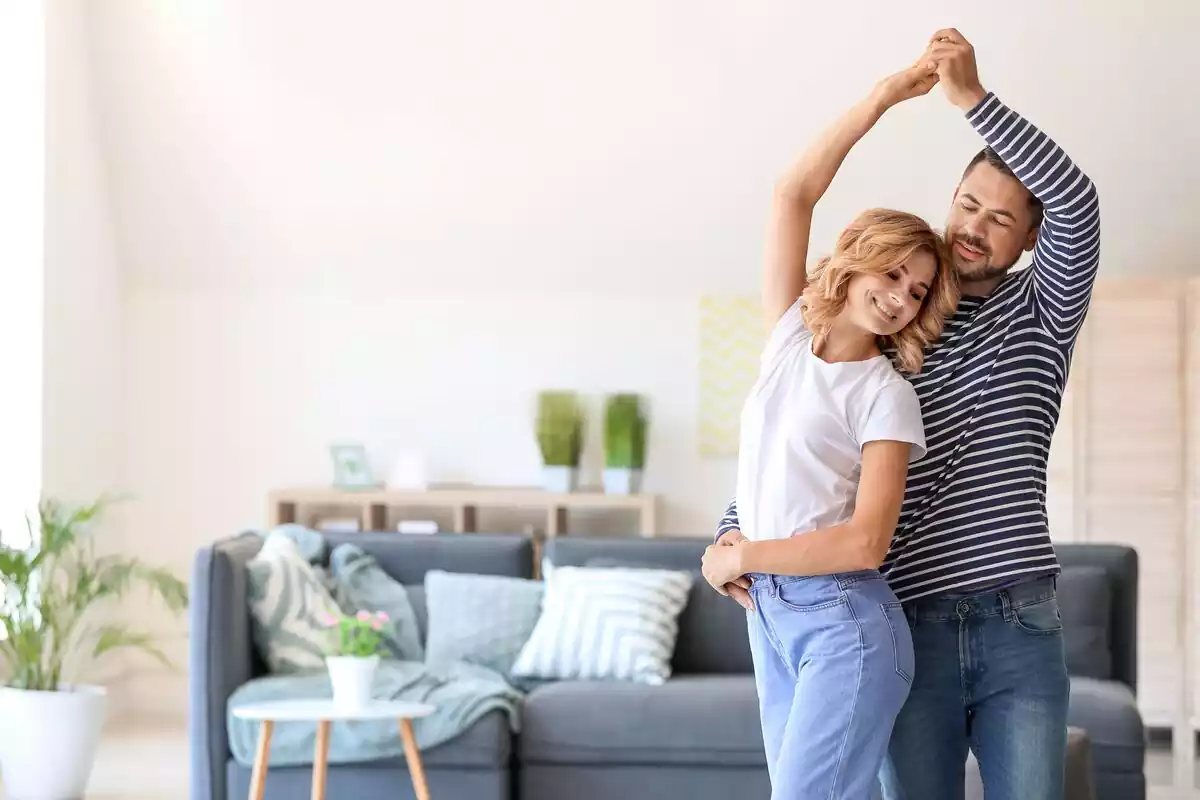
x=14, y=567
x=559, y=424
x=114, y=637
x=48, y=591
x=624, y=432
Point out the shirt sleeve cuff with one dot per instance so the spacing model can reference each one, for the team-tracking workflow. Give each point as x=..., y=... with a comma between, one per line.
x=979, y=106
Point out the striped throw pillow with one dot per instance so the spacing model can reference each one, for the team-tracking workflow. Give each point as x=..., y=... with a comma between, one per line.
x=606, y=624
x=287, y=602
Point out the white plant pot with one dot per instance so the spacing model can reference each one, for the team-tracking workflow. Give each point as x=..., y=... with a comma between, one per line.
x=621, y=480
x=559, y=479
x=352, y=678
x=48, y=741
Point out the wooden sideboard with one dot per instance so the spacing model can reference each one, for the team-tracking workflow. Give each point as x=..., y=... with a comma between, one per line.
x=372, y=505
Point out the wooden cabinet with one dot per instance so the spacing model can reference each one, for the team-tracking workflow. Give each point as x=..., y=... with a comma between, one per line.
x=1125, y=468
x=371, y=507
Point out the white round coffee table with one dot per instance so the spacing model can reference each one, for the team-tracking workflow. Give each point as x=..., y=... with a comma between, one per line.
x=324, y=713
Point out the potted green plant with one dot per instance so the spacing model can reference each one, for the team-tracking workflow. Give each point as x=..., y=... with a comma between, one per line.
x=560, y=439
x=354, y=656
x=624, y=443
x=50, y=594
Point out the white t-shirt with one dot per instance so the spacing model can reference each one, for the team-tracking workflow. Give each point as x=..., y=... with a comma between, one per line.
x=803, y=428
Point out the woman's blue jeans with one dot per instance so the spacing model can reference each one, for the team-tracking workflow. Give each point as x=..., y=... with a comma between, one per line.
x=833, y=661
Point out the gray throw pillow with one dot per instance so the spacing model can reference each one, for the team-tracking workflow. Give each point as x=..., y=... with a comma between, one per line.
x=309, y=543
x=479, y=619
x=360, y=583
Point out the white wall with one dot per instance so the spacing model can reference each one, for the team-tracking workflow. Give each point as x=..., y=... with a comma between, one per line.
x=531, y=144
x=22, y=80
x=82, y=335
x=397, y=221
x=83, y=277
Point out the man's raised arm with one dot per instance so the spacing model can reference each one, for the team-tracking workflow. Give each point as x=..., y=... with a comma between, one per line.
x=1067, y=254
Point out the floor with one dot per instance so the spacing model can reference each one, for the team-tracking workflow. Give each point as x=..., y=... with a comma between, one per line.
x=150, y=763
x=1158, y=774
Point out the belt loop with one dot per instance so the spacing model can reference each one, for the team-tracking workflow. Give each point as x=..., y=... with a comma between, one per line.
x=1006, y=605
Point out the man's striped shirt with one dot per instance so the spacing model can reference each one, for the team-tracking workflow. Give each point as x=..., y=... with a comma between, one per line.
x=974, y=513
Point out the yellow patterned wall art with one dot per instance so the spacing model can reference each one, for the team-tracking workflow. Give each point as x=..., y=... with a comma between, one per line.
x=731, y=341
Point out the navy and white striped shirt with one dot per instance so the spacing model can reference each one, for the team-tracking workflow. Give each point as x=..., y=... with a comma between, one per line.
x=974, y=513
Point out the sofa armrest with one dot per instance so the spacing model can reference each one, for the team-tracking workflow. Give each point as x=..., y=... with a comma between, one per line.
x=220, y=656
x=1120, y=562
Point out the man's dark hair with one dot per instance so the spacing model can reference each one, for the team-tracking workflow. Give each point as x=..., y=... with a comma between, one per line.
x=995, y=162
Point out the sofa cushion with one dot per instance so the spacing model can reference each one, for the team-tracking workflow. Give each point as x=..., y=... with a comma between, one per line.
x=479, y=619
x=1120, y=564
x=709, y=720
x=407, y=557
x=288, y=603
x=713, y=637
x=416, y=597
x=712, y=628
x=600, y=623
x=361, y=584
x=1108, y=712
x=487, y=743
x=1085, y=602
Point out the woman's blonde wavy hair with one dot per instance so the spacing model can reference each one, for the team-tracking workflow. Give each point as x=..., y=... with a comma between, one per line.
x=876, y=242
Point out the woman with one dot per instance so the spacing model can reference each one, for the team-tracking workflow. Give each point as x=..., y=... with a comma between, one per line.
x=827, y=434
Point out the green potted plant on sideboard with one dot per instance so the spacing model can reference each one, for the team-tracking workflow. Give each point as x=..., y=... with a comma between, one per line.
x=51, y=614
x=560, y=439
x=624, y=443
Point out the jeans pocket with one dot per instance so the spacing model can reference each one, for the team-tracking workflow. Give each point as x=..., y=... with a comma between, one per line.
x=806, y=596
x=1041, y=617
x=902, y=646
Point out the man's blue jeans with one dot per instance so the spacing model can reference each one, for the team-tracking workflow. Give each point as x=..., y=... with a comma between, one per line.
x=990, y=675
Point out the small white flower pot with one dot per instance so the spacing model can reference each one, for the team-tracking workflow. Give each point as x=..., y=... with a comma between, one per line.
x=352, y=678
x=48, y=740
x=559, y=479
x=621, y=480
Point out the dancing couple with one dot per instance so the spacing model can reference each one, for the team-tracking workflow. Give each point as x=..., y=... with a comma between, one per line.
x=888, y=535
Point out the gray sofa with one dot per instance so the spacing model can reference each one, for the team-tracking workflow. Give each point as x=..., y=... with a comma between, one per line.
x=222, y=657
x=697, y=736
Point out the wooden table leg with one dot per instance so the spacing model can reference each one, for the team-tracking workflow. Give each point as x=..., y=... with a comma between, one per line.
x=320, y=761
x=262, y=758
x=413, y=756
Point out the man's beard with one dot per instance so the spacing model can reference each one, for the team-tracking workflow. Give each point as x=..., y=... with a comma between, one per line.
x=982, y=268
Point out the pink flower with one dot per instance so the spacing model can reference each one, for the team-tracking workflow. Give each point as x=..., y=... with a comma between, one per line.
x=382, y=616
x=364, y=616
x=328, y=619
x=376, y=625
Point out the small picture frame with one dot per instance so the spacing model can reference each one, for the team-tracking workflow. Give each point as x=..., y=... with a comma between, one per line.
x=351, y=470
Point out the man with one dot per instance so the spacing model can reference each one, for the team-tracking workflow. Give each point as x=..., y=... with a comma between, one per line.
x=971, y=558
